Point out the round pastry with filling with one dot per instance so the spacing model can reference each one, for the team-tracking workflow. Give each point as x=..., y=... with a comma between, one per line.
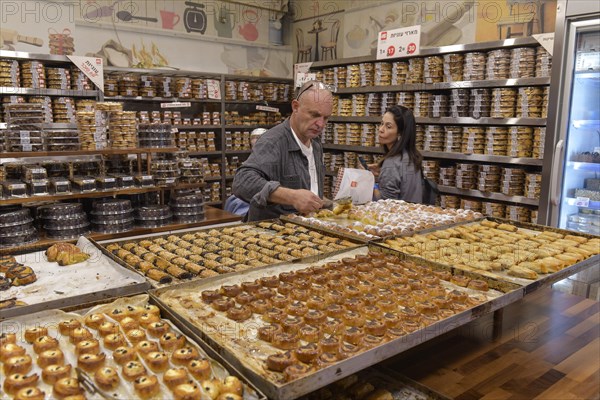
x=129, y=324
x=133, y=370
x=79, y=334
x=107, y=378
x=91, y=362
x=172, y=341
x=66, y=387
x=15, y=382
x=107, y=327
x=158, y=361
x=184, y=355
x=285, y=341
x=134, y=311
x=44, y=343
x=212, y=387
x=66, y=327
x=187, y=391
x=478, y=284
x=307, y=353
x=200, y=369
x=7, y=338
x=136, y=335
x=175, y=376
x=30, y=393
x=89, y=346
x=94, y=320
x=114, y=341
x=232, y=385
x=17, y=365
x=157, y=329
x=152, y=309
x=146, y=386
x=52, y=373
x=124, y=354
x=33, y=333
x=50, y=357
x=280, y=361
x=147, y=318
x=266, y=332
x=295, y=371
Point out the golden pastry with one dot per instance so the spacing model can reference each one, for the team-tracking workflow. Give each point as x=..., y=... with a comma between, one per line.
x=200, y=369
x=158, y=361
x=172, y=341
x=157, y=329
x=147, y=318
x=50, y=357
x=91, y=362
x=66, y=327
x=44, y=343
x=90, y=346
x=94, y=320
x=30, y=393
x=212, y=388
x=136, y=335
x=15, y=382
x=52, y=373
x=33, y=333
x=79, y=334
x=107, y=327
x=124, y=354
x=146, y=386
x=184, y=355
x=187, y=391
x=17, y=365
x=133, y=370
x=107, y=378
x=175, y=376
x=146, y=346
x=7, y=338
x=66, y=387
x=113, y=341
x=129, y=323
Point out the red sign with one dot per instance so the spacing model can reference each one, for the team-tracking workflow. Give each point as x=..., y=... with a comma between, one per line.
x=390, y=51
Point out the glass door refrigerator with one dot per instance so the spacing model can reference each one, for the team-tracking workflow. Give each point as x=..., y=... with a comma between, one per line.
x=571, y=173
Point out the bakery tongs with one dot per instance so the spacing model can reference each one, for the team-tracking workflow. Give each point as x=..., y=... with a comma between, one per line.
x=89, y=385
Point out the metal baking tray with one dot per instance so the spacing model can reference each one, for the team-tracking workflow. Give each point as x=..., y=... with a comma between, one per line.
x=503, y=278
x=96, y=279
x=155, y=284
x=50, y=318
x=268, y=382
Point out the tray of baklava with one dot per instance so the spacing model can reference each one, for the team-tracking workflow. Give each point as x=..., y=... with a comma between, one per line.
x=126, y=349
x=526, y=254
x=204, y=253
x=295, y=327
x=62, y=275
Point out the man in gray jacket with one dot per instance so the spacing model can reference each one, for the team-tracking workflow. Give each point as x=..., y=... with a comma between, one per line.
x=284, y=173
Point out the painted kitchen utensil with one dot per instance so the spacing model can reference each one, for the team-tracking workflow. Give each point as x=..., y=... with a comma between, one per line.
x=194, y=18
x=249, y=31
x=10, y=36
x=169, y=19
x=223, y=22
x=127, y=16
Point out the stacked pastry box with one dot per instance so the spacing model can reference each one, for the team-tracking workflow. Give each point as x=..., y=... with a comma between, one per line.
x=294, y=327
x=124, y=350
x=61, y=276
x=205, y=253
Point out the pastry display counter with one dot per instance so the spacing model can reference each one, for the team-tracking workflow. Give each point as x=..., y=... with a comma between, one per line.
x=358, y=318
x=128, y=348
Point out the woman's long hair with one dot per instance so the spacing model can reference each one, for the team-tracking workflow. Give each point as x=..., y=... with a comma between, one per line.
x=407, y=136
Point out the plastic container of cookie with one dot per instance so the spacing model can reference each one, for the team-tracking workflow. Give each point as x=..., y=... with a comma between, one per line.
x=154, y=212
x=14, y=188
x=84, y=183
x=105, y=207
x=156, y=143
x=144, y=180
x=106, y=182
x=114, y=227
x=124, y=180
x=61, y=211
x=15, y=216
x=38, y=188
x=59, y=185
x=21, y=238
x=190, y=200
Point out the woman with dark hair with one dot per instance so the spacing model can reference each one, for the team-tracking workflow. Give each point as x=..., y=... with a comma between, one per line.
x=399, y=174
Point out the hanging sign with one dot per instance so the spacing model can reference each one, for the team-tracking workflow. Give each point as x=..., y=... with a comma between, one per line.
x=176, y=104
x=92, y=67
x=400, y=42
x=213, y=87
x=546, y=40
x=303, y=77
x=267, y=109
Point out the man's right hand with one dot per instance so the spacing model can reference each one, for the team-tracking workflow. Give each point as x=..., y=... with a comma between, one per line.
x=306, y=201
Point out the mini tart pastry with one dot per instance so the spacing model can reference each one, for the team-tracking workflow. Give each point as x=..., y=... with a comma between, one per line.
x=184, y=355
x=124, y=354
x=133, y=370
x=33, y=333
x=353, y=335
x=375, y=327
x=15, y=382
x=307, y=353
x=17, y=365
x=353, y=318
x=107, y=378
x=91, y=362
x=372, y=340
x=90, y=346
x=229, y=396
x=266, y=332
x=200, y=369
x=273, y=315
x=79, y=334
x=212, y=388
x=134, y=311
x=10, y=350
x=44, y=343
x=107, y=327
x=315, y=317
x=292, y=324
x=187, y=391
x=117, y=314
x=157, y=329
x=232, y=385
x=7, y=338
x=147, y=318
x=333, y=326
x=136, y=335
x=208, y=296
x=285, y=341
x=52, y=373
x=129, y=323
x=152, y=309
x=146, y=386
x=244, y=298
x=66, y=327
x=295, y=371
x=146, y=346
x=175, y=376
x=94, y=320
x=50, y=357
x=230, y=290
x=30, y=393
x=65, y=387
x=347, y=350
x=172, y=341
x=460, y=280
x=280, y=361
x=113, y=341
x=309, y=333
x=239, y=313
x=326, y=359
x=158, y=361
x=329, y=344
x=478, y=284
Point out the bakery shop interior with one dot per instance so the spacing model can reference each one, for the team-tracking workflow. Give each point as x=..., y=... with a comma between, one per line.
x=299, y=199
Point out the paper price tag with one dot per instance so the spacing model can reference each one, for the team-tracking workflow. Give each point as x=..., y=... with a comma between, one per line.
x=213, y=88
x=176, y=104
x=400, y=42
x=92, y=67
x=303, y=77
x=546, y=40
x=582, y=202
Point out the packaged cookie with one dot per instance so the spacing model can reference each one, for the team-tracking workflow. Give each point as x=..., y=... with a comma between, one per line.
x=415, y=70
x=512, y=182
x=458, y=105
x=422, y=100
x=431, y=169
x=399, y=72
x=406, y=99
x=543, y=62
x=533, y=184
x=474, y=66
x=382, y=74
x=367, y=74
x=129, y=85
x=453, y=139
x=498, y=64
x=473, y=141
x=488, y=178
x=520, y=141
x=433, y=69
x=359, y=102
x=522, y=62
x=353, y=78
x=438, y=106
x=479, y=103
x=447, y=176
x=496, y=210
x=518, y=213
x=472, y=205
x=529, y=102
x=453, y=67
x=503, y=103
x=449, y=201
x=539, y=140
x=434, y=138
x=466, y=176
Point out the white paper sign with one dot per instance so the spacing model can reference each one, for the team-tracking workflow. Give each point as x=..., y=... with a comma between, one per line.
x=267, y=109
x=92, y=67
x=399, y=42
x=582, y=202
x=301, y=68
x=176, y=104
x=213, y=88
x=303, y=77
x=546, y=40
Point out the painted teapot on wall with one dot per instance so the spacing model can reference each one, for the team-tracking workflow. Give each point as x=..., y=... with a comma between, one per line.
x=249, y=30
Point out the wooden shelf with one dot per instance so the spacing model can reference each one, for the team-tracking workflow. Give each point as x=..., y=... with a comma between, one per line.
x=98, y=193
x=357, y=149
x=203, y=153
x=237, y=152
x=23, y=154
x=213, y=216
x=522, y=200
x=160, y=99
x=186, y=127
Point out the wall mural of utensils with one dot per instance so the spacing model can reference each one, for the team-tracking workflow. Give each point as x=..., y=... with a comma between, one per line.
x=10, y=36
x=249, y=30
x=169, y=19
x=61, y=43
x=224, y=22
x=91, y=11
x=194, y=17
x=126, y=16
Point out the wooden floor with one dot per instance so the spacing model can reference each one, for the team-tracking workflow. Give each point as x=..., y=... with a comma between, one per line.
x=549, y=348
